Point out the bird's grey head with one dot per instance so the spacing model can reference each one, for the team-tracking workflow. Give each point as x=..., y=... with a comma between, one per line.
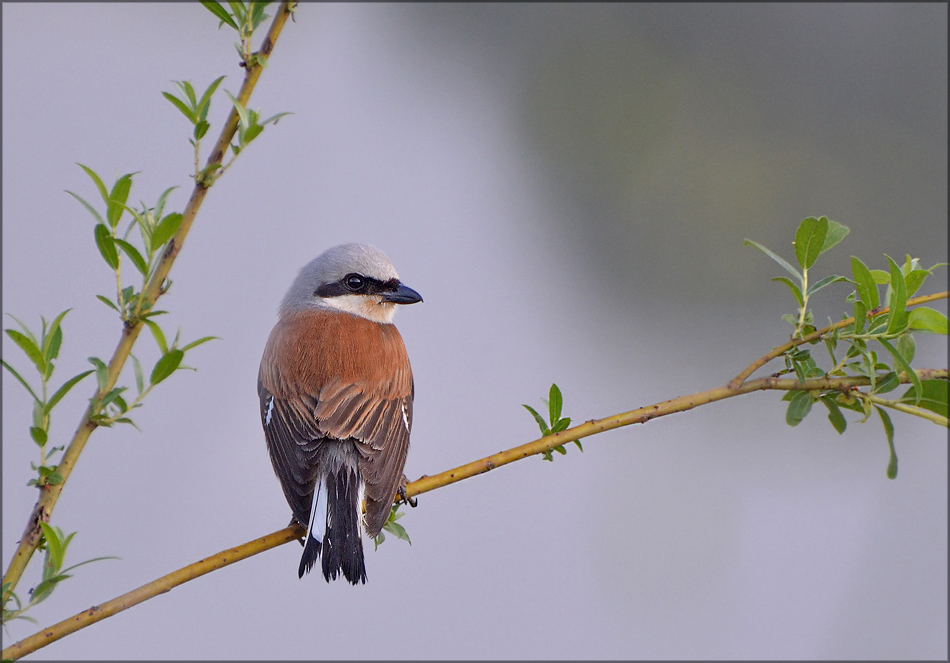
x=355, y=278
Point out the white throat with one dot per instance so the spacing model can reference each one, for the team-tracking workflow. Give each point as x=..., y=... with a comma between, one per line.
x=365, y=306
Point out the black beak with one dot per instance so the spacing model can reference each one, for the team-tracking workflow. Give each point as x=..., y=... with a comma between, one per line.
x=402, y=295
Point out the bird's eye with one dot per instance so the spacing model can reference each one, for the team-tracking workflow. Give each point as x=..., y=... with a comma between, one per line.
x=354, y=282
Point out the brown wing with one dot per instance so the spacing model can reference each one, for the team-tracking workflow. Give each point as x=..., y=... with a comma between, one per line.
x=332, y=375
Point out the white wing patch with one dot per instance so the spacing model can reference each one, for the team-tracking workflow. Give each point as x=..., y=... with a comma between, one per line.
x=405, y=416
x=318, y=512
x=270, y=411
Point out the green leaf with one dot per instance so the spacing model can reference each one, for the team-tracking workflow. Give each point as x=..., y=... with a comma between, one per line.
x=798, y=408
x=895, y=318
x=220, y=12
x=201, y=129
x=860, y=315
x=889, y=382
x=809, y=240
x=867, y=288
x=836, y=233
x=107, y=246
x=179, y=104
x=118, y=198
x=900, y=362
x=158, y=334
x=274, y=118
x=54, y=340
x=914, y=279
x=88, y=207
x=102, y=372
x=39, y=435
x=201, y=340
x=108, y=302
x=55, y=549
x=25, y=384
x=133, y=254
x=828, y=280
x=252, y=132
x=794, y=287
x=889, y=432
x=166, y=366
x=62, y=391
x=933, y=396
x=103, y=193
x=880, y=276
x=205, y=102
x=28, y=345
x=243, y=117
x=928, y=320
x=834, y=414
x=561, y=424
x=907, y=346
x=166, y=229
x=114, y=396
x=542, y=424
x=555, y=401
x=139, y=379
x=791, y=270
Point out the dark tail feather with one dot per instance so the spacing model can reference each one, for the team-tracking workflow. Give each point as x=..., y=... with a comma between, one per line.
x=342, y=546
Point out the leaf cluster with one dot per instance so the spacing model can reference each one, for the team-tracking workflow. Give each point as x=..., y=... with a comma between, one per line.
x=55, y=543
x=877, y=340
x=244, y=18
x=556, y=422
x=392, y=527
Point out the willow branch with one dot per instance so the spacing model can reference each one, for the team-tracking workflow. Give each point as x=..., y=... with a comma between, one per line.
x=816, y=335
x=49, y=494
x=429, y=483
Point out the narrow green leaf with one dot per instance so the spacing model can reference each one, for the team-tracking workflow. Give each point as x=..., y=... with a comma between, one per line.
x=901, y=363
x=28, y=345
x=201, y=129
x=166, y=366
x=555, y=401
x=166, y=229
x=55, y=550
x=103, y=192
x=928, y=320
x=102, y=372
x=798, y=408
x=195, y=344
x=139, y=379
x=828, y=280
x=106, y=245
x=54, y=338
x=157, y=334
x=62, y=391
x=809, y=240
x=794, y=287
x=205, y=102
x=867, y=288
x=88, y=207
x=243, y=118
x=836, y=233
x=117, y=199
x=162, y=199
x=25, y=384
x=177, y=103
x=895, y=318
x=189, y=91
x=781, y=261
x=542, y=424
x=889, y=432
x=274, y=118
x=219, y=11
x=114, y=396
x=880, y=276
x=133, y=254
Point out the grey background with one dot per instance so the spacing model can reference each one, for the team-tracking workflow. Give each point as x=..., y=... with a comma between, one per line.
x=568, y=186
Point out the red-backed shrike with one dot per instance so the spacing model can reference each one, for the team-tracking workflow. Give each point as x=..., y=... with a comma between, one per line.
x=336, y=395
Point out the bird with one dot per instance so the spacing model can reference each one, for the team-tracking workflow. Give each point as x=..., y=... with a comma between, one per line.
x=336, y=392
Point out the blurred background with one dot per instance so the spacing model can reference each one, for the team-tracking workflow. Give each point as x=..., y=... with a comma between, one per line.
x=568, y=186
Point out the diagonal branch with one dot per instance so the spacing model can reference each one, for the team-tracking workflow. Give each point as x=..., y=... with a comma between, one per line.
x=429, y=483
x=49, y=494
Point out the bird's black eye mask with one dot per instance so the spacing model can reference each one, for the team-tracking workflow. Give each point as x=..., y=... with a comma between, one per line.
x=357, y=284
